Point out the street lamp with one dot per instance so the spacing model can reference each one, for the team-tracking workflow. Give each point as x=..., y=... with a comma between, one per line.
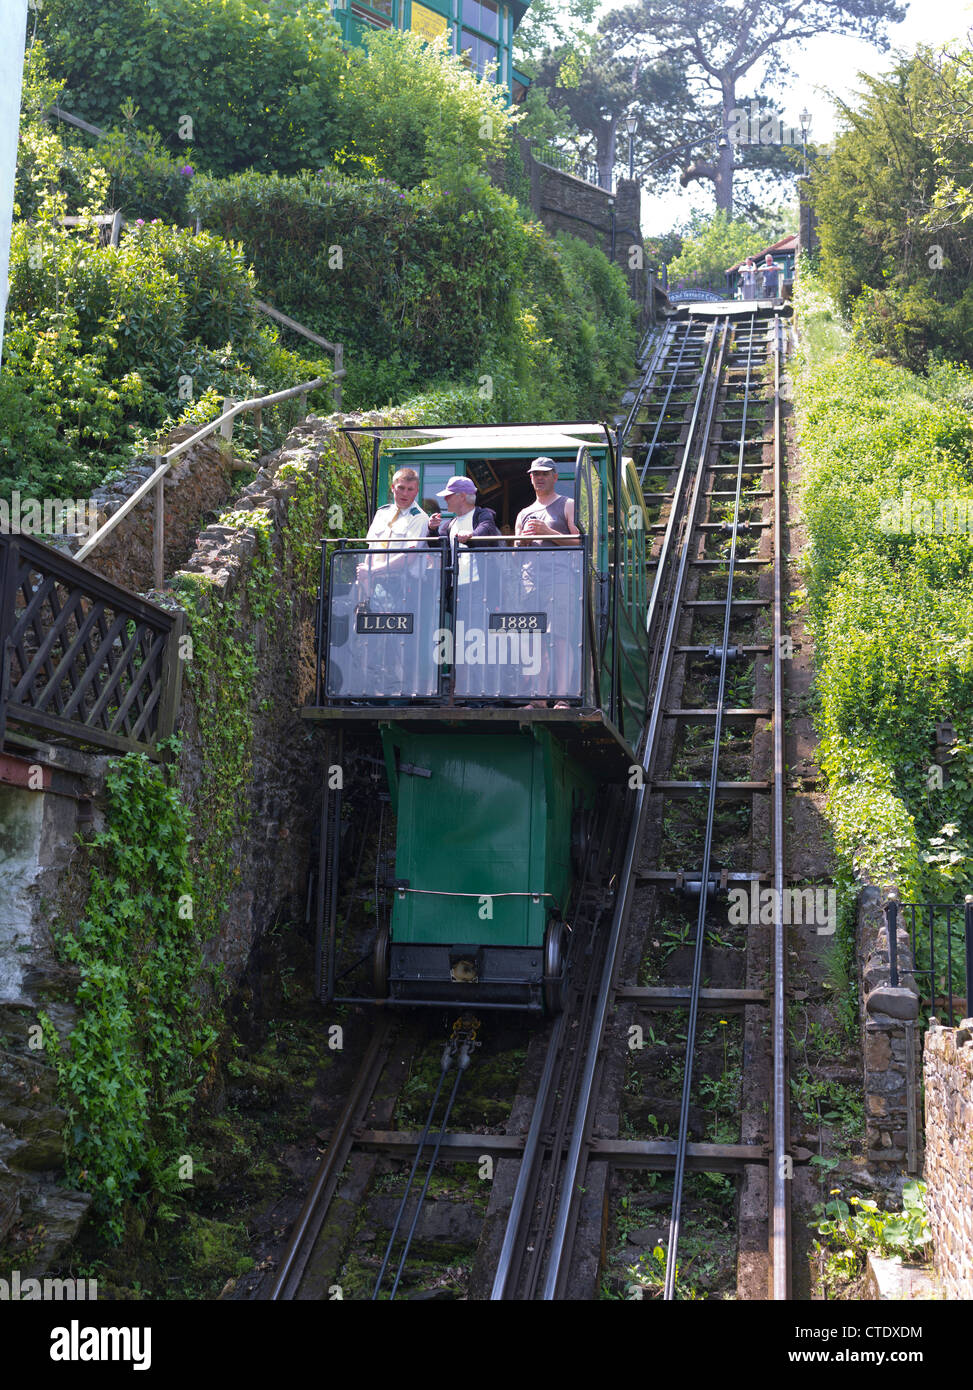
x=805, y=119
x=631, y=125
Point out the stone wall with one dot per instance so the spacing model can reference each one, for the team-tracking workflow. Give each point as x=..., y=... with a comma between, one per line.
x=272, y=859
x=44, y=868
x=889, y=1018
x=948, y=1068
x=199, y=480
x=563, y=202
x=40, y=859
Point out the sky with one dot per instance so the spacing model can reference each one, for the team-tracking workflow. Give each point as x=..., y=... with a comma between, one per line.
x=826, y=64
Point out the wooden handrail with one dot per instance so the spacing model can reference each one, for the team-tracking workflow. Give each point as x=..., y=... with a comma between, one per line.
x=156, y=479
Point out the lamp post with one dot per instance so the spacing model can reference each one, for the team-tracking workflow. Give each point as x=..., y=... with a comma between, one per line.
x=805, y=119
x=631, y=125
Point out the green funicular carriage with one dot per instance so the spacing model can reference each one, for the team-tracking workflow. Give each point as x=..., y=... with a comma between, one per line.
x=438, y=651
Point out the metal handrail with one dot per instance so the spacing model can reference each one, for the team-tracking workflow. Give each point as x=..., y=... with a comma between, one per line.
x=164, y=462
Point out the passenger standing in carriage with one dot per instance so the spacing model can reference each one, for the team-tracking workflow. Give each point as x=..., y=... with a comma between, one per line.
x=401, y=520
x=549, y=521
x=468, y=522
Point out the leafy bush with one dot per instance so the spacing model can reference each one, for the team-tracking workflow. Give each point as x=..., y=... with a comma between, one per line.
x=888, y=486
x=228, y=84
x=102, y=343
x=444, y=281
x=410, y=110
x=143, y=1038
x=144, y=179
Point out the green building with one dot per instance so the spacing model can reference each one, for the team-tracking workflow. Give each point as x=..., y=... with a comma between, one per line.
x=482, y=30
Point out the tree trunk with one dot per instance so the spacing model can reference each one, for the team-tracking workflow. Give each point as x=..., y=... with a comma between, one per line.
x=725, y=157
x=607, y=143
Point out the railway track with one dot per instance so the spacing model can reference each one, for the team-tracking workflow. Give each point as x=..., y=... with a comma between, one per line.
x=704, y=431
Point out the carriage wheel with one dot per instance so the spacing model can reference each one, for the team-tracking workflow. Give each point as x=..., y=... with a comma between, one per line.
x=555, y=967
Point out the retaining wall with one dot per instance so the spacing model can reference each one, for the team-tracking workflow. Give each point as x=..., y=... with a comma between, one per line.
x=948, y=1072
x=44, y=868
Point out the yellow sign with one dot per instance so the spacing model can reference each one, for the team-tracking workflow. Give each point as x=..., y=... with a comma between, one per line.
x=428, y=22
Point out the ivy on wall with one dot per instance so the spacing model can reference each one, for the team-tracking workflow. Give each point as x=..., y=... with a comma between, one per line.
x=145, y=1035
x=162, y=873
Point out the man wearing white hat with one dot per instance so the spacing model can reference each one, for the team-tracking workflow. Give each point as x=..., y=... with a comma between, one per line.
x=468, y=520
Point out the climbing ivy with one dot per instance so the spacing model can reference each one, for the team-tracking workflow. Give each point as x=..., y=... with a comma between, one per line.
x=162, y=873
x=144, y=1036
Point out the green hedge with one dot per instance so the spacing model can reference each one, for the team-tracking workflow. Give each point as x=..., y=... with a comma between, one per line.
x=441, y=283
x=103, y=348
x=890, y=587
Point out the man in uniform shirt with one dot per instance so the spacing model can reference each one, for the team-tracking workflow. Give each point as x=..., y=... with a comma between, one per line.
x=403, y=519
x=400, y=520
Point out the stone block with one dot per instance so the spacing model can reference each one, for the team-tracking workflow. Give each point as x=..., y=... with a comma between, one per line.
x=878, y=1051
x=896, y=1003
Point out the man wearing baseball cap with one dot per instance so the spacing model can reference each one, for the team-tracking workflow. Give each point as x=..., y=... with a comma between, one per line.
x=468, y=520
x=551, y=517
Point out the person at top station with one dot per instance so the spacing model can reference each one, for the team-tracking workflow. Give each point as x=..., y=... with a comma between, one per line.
x=748, y=278
x=468, y=522
x=770, y=273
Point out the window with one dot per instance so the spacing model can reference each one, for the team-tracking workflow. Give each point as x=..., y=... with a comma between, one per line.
x=380, y=13
x=478, y=52
x=483, y=16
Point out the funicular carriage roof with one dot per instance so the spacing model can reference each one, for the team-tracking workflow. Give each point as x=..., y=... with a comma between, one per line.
x=552, y=438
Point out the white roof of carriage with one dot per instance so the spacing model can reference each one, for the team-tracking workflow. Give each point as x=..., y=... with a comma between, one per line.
x=536, y=439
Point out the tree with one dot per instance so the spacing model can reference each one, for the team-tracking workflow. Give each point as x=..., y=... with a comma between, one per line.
x=896, y=248
x=725, y=41
x=713, y=243
x=599, y=89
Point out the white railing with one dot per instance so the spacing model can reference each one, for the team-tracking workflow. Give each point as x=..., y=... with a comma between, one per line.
x=156, y=480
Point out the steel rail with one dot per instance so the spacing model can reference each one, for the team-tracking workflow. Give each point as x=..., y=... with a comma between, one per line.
x=527, y=1175
x=567, y=1205
x=666, y=342
x=687, y=339
x=661, y=569
x=672, y=1247
x=780, y=1235
x=312, y=1214
x=551, y=1081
